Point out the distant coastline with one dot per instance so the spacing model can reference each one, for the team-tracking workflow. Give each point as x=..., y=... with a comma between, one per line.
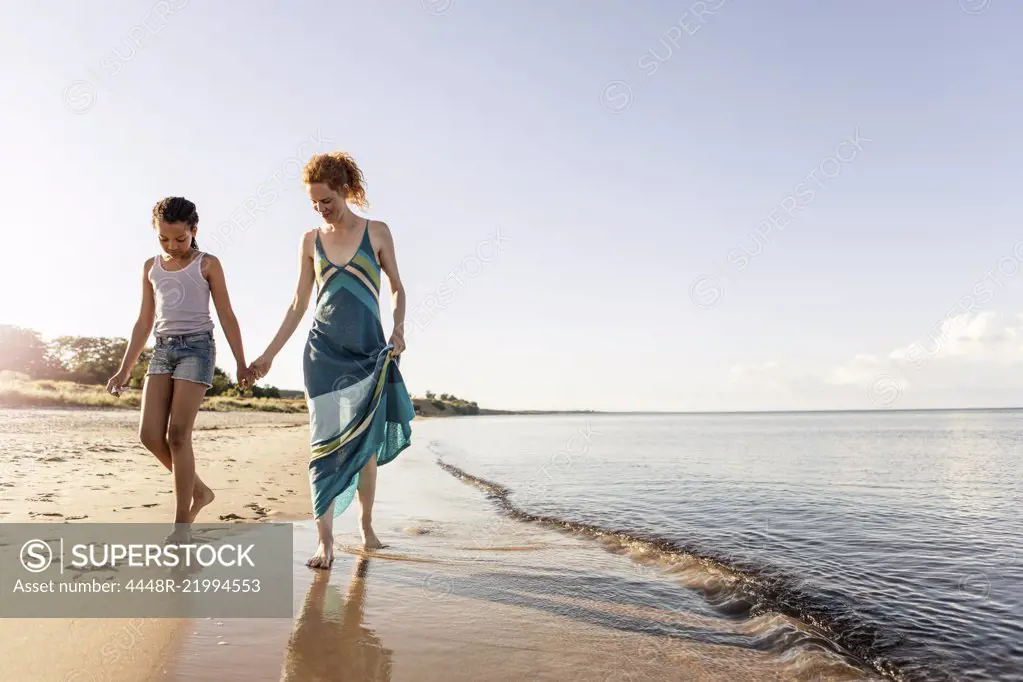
x=538, y=412
x=19, y=391
x=22, y=392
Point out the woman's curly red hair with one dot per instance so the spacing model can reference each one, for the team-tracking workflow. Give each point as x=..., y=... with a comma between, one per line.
x=338, y=171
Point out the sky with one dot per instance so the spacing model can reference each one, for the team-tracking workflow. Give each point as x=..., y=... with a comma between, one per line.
x=719, y=205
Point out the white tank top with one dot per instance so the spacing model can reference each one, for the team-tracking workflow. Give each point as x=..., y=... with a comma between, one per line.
x=182, y=299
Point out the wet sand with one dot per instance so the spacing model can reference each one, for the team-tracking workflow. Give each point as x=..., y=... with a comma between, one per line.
x=460, y=592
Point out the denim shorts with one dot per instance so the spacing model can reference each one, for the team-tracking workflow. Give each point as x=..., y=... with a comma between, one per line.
x=191, y=357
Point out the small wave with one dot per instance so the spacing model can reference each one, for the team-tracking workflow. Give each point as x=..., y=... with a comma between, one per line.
x=756, y=596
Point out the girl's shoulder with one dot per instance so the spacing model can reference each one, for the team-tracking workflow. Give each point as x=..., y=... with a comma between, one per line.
x=208, y=264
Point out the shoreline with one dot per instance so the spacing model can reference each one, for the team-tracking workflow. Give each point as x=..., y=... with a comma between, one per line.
x=515, y=600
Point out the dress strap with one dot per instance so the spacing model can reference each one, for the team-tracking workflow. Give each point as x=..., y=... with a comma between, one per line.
x=366, y=243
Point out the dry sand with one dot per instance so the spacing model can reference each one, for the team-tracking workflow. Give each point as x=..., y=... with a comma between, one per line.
x=438, y=603
x=79, y=465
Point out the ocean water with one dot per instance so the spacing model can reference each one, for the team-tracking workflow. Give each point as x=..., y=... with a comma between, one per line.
x=894, y=535
x=464, y=592
x=781, y=547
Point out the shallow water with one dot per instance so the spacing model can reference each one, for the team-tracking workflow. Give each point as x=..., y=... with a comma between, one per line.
x=897, y=534
x=784, y=546
x=463, y=592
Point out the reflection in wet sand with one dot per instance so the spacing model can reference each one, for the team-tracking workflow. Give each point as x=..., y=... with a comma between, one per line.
x=329, y=641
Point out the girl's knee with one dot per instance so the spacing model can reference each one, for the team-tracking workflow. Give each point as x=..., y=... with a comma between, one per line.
x=151, y=439
x=178, y=436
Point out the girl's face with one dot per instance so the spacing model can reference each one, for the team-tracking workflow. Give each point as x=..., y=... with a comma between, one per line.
x=175, y=238
x=328, y=203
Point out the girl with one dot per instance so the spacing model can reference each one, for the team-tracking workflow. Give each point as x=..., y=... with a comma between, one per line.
x=359, y=409
x=176, y=288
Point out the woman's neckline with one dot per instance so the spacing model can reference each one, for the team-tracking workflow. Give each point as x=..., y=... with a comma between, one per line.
x=358, y=247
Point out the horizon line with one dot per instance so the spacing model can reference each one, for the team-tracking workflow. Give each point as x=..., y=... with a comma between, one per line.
x=496, y=412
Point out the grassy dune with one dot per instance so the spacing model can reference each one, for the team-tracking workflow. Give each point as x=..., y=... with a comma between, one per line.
x=17, y=392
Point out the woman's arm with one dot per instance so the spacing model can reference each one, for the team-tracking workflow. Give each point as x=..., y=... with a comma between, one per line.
x=296, y=311
x=139, y=334
x=389, y=264
x=228, y=321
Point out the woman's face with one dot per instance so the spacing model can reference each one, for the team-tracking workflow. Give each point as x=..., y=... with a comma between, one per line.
x=328, y=203
x=175, y=238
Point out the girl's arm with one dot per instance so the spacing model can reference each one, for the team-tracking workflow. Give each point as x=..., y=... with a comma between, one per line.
x=140, y=333
x=228, y=320
x=296, y=311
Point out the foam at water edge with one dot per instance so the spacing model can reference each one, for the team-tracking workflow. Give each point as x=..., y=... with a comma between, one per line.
x=742, y=593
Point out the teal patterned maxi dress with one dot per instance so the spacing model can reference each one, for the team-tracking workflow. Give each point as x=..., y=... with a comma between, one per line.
x=358, y=404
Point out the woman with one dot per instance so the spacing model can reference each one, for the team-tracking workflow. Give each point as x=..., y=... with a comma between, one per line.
x=359, y=408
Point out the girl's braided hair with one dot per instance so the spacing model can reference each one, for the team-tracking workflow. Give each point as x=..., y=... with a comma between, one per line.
x=177, y=210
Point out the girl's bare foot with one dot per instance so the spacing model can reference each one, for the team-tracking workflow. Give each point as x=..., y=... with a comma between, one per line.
x=324, y=556
x=370, y=539
x=200, y=498
x=181, y=535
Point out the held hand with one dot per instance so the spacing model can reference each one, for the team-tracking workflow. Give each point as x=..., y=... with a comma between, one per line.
x=260, y=367
x=398, y=341
x=117, y=383
x=245, y=377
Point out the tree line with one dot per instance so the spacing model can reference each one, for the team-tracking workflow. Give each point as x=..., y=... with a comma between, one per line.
x=458, y=405
x=93, y=360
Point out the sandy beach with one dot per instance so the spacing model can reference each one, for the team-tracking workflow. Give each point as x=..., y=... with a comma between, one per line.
x=458, y=593
x=78, y=465
x=74, y=464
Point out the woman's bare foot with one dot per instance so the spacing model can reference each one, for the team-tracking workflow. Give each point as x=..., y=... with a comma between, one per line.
x=324, y=556
x=200, y=498
x=370, y=539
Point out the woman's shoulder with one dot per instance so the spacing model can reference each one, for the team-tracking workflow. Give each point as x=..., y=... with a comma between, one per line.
x=307, y=244
x=379, y=231
x=379, y=234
